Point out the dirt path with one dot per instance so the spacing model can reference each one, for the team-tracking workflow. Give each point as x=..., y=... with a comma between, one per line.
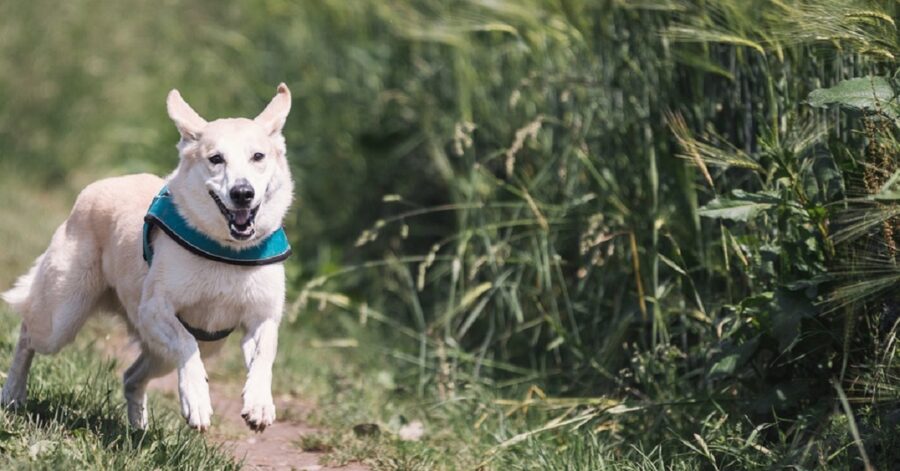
x=275, y=449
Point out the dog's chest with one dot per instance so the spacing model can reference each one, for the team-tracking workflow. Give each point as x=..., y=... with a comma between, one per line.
x=213, y=295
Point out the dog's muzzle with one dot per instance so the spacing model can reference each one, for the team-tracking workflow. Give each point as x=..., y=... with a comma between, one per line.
x=240, y=221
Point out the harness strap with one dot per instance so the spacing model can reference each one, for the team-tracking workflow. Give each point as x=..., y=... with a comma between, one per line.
x=204, y=335
x=163, y=214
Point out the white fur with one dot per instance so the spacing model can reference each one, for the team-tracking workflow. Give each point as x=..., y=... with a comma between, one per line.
x=94, y=261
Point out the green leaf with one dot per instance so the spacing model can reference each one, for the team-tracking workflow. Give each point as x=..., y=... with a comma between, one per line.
x=868, y=93
x=726, y=365
x=791, y=309
x=743, y=207
x=732, y=358
x=764, y=197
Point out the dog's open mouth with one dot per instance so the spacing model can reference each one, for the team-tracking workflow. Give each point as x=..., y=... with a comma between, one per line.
x=240, y=221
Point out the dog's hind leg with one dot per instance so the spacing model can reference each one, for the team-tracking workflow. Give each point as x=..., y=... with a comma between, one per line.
x=54, y=299
x=50, y=320
x=64, y=289
x=15, y=387
x=146, y=367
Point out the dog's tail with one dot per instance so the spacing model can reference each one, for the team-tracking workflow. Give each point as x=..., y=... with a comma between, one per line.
x=19, y=296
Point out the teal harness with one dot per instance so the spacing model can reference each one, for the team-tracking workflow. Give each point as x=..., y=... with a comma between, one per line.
x=163, y=214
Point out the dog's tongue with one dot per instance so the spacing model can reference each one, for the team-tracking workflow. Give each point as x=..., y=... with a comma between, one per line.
x=241, y=216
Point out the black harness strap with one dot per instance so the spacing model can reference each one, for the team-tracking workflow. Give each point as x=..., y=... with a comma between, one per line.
x=202, y=335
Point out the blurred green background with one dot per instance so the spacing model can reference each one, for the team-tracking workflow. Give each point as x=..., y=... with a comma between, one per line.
x=633, y=211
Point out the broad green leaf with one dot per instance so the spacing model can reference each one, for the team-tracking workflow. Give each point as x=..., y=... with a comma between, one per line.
x=764, y=197
x=791, y=308
x=742, y=209
x=733, y=357
x=868, y=93
x=726, y=365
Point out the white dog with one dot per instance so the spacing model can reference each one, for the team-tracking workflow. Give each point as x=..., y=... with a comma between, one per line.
x=212, y=246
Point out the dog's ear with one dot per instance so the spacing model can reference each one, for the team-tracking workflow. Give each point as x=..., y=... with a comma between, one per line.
x=188, y=122
x=272, y=118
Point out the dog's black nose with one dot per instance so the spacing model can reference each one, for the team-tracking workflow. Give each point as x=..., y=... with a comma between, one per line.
x=242, y=193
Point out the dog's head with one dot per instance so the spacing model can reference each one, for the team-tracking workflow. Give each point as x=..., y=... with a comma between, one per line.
x=233, y=181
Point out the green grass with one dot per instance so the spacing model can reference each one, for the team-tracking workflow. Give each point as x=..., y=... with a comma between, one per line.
x=480, y=426
x=75, y=418
x=76, y=415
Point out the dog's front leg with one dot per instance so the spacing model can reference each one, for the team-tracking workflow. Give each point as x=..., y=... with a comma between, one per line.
x=259, y=346
x=166, y=337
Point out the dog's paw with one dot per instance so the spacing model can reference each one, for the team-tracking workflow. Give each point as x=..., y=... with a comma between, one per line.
x=13, y=396
x=137, y=413
x=193, y=390
x=258, y=411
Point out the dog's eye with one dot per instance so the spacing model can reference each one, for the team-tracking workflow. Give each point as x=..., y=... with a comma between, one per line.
x=217, y=159
x=258, y=156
